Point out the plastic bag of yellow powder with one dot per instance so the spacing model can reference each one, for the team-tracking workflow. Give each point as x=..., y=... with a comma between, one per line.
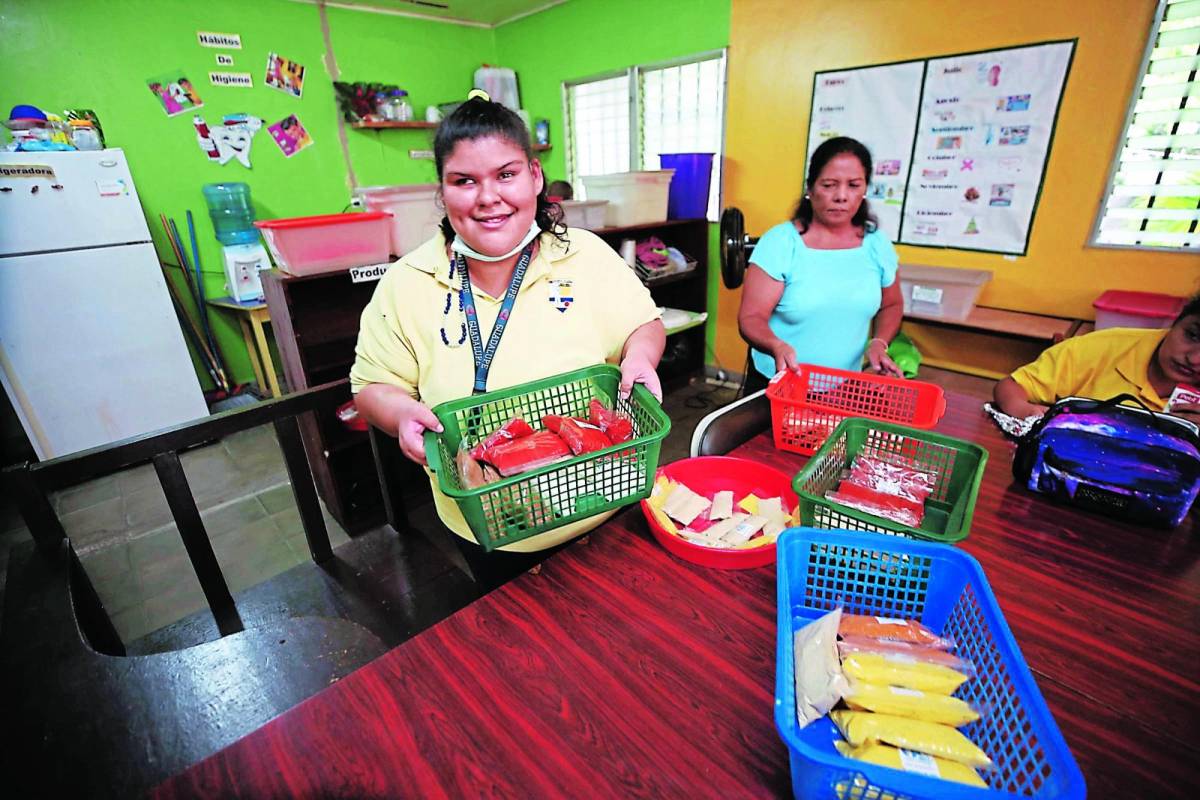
x=898, y=670
x=910, y=761
x=910, y=703
x=861, y=727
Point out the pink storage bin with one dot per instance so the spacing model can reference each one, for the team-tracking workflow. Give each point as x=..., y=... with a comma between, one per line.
x=1121, y=309
x=306, y=245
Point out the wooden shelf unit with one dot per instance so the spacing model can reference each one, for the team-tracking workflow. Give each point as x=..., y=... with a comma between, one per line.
x=685, y=353
x=316, y=319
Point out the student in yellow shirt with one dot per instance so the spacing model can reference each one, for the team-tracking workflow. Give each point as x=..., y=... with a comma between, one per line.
x=1146, y=363
x=547, y=300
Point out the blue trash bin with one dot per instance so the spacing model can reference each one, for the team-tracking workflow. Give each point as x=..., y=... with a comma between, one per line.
x=689, y=187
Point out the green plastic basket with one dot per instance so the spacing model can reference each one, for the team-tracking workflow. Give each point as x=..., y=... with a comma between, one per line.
x=543, y=499
x=948, y=509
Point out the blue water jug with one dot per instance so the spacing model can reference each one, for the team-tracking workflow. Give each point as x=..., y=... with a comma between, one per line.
x=231, y=212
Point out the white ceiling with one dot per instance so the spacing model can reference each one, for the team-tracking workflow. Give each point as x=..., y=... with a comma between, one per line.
x=481, y=13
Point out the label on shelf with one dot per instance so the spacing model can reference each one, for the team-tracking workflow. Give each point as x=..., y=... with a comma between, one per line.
x=369, y=273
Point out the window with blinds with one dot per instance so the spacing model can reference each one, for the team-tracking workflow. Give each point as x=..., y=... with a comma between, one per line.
x=683, y=111
x=623, y=123
x=1153, y=198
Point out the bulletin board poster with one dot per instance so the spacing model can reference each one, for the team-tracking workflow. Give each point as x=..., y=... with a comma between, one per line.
x=878, y=106
x=982, y=140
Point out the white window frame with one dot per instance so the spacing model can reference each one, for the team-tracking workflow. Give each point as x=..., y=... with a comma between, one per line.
x=634, y=75
x=1115, y=166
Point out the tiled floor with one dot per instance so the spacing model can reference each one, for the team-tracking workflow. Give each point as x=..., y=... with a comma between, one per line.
x=122, y=529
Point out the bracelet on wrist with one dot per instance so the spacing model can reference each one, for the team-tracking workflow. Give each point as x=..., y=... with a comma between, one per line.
x=878, y=339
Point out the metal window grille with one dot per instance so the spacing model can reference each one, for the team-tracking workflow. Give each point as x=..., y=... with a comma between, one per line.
x=598, y=130
x=1153, y=197
x=682, y=110
x=623, y=122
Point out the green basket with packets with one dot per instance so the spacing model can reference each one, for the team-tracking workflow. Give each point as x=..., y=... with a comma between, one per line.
x=957, y=467
x=528, y=503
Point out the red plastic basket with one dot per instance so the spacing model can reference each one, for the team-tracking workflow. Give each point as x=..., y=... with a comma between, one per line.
x=808, y=404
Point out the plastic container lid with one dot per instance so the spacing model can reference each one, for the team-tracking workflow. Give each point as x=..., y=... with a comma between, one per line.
x=973, y=277
x=322, y=219
x=1144, y=304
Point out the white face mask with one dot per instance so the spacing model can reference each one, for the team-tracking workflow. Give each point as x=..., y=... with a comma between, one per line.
x=459, y=245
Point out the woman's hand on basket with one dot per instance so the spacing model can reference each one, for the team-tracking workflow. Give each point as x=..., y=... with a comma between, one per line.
x=412, y=423
x=881, y=362
x=635, y=369
x=785, y=357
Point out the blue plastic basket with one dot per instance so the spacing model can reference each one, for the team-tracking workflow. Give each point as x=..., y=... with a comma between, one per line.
x=873, y=573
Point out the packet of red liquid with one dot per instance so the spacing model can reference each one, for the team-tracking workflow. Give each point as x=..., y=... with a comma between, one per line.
x=616, y=427
x=896, y=509
x=528, y=452
x=893, y=628
x=582, y=437
x=515, y=428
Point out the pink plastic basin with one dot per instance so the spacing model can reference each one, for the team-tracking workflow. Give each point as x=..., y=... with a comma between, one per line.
x=306, y=245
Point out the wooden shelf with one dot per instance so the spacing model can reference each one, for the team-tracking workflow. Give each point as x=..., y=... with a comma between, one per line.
x=1010, y=323
x=384, y=124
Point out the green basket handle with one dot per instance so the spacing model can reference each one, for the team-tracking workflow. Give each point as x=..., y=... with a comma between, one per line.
x=432, y=457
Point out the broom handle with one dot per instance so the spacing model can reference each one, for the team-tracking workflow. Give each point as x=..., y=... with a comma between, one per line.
x=202, y=307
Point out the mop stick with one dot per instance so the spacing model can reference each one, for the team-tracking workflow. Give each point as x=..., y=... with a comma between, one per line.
x=192, y=335
x=187, y=276
x=201, y=305
x=222, y=382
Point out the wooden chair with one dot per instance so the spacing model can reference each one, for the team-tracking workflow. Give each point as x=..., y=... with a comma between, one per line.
x=81, y=717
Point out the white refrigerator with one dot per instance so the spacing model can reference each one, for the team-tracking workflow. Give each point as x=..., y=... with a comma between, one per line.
x=90, y=348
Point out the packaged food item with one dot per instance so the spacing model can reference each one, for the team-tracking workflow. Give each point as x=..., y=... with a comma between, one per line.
x=897, y=509
x=904, y=650
x=861, y=727
x=722, y=506
x=582, y=437
x=897, y=476
x=616, y=427
x=528, y=453
x=684, y=505
x=819, y=679
x=470, y=473
x=902, y=630
x=515, y=428
x=910, y=703
x=895, y=670
x=911, y=761
x=552, y=422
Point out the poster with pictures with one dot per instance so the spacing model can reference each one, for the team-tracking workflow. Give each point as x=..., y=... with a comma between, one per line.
x=983, y=137
x=877, y=106
x=290, y=135
x=284, y=75
x=175, y=93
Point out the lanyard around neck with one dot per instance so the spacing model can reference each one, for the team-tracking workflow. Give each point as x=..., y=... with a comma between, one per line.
x=484, y=356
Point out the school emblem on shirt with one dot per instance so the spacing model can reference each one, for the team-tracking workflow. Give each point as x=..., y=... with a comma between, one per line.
x=560, y=294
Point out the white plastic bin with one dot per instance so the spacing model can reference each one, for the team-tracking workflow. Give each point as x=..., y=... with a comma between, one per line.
x=941, y=292
x=634, y=198
x=308, y=245
x=584, y=213
x=1120, y=309
x=415, y=215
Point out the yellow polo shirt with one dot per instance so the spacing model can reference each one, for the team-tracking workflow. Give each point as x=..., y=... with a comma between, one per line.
x=577, y=305
x=1099, y=365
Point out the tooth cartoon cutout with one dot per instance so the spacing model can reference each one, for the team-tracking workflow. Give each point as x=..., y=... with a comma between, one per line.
x=234, y=140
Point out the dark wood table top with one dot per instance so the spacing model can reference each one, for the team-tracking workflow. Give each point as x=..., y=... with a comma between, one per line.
x=621, y=671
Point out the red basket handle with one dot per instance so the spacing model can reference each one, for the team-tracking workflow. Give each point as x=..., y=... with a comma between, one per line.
x=939, y=409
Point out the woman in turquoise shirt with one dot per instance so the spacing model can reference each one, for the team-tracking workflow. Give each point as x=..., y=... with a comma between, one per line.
x=817, y=283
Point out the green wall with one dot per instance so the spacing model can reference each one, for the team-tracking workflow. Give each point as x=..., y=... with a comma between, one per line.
x=78, y=53
x=583, y=38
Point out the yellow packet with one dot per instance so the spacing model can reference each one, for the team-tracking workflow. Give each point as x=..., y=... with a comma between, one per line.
x=860, y=727
x=898, y=670
x=909, y=761
x=910, y=703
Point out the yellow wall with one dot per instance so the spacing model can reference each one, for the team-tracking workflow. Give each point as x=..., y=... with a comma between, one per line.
x=777, y=45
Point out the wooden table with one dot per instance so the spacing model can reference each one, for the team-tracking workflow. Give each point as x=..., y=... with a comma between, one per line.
x=621, y=671
x=252, y=314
